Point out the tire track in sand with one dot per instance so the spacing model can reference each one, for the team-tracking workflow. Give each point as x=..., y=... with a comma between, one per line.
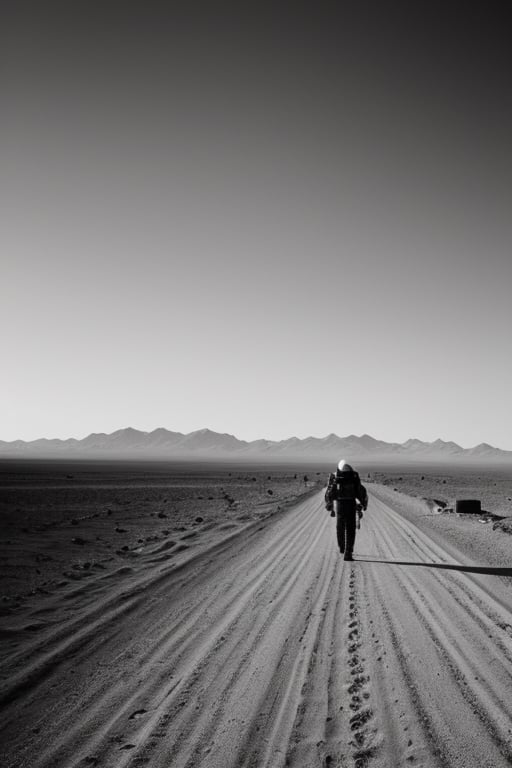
x=268, y=650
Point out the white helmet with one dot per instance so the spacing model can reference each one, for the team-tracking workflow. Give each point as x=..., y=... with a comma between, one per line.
x=344, y=467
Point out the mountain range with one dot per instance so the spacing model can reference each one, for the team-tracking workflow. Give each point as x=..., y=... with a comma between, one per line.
x=205, y=444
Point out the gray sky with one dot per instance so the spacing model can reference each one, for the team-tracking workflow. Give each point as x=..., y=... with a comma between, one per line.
x=270, y=225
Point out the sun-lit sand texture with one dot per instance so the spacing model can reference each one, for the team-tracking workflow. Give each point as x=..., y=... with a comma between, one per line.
x=190, y=618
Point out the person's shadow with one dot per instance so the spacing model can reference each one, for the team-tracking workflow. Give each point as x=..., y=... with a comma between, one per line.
x=493, y=570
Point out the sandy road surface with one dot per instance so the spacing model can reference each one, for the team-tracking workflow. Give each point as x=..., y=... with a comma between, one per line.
x=268, y=650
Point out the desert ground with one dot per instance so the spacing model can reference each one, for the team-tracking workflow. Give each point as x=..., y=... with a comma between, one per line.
x=179, y=616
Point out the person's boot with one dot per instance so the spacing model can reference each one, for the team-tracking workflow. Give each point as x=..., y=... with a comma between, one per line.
x=348, y=556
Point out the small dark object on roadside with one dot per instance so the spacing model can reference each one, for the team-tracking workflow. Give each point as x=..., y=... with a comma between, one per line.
x=270, y=492
x=468, y=506
x=199, y=519
x=161, y=515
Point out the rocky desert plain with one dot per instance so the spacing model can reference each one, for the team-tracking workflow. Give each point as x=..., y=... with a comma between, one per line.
x=187, y=614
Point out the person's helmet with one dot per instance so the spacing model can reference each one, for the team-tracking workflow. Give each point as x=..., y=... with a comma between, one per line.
x=344, y=467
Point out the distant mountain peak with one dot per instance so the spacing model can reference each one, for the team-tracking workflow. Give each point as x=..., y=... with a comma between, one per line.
x=206, y=443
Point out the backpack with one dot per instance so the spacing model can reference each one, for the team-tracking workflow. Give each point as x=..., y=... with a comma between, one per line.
x=346, y=485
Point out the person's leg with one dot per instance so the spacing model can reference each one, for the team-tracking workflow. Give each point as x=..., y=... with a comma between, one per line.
x=340, y=529
x=350, y=531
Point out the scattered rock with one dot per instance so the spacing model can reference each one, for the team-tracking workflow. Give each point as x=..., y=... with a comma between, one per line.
x=199, y=519
x=505, y=525
x=137, y=713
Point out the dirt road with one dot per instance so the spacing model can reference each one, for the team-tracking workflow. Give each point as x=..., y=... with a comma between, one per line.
x=267, y=649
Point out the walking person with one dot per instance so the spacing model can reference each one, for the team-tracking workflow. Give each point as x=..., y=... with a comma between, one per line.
x=344, y=491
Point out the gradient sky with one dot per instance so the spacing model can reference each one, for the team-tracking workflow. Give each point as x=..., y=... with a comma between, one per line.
x=269, y=224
